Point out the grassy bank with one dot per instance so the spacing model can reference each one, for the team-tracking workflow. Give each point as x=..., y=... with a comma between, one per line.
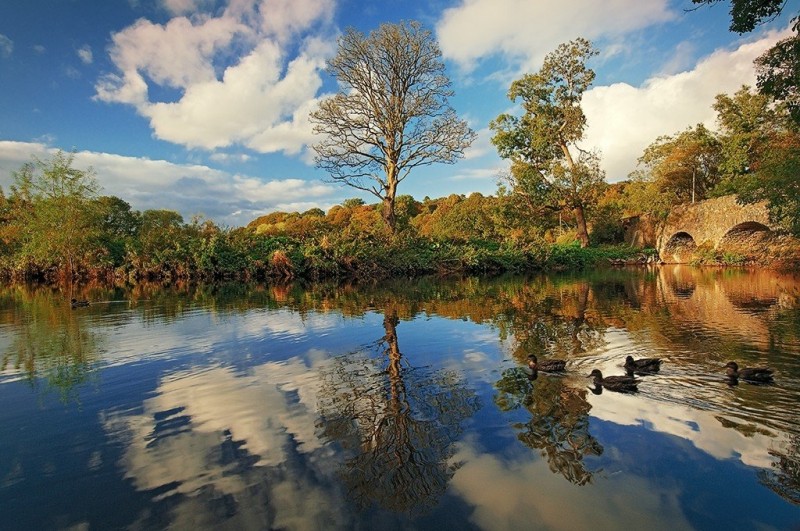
x=245, y=255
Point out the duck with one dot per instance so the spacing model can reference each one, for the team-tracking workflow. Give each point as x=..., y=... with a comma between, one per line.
x=75, y=303
x=751, y=374
x=621, y=384
x=546, y=365
x=642, y=365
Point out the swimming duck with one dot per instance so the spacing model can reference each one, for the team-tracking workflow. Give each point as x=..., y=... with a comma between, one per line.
x=75, y=303
x=752, y=374
x=546, y=365
x=621, y=384
x=642, y=365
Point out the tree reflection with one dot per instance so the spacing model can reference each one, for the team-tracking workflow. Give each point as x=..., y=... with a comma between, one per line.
x=51, y=345
x=398, y=423
x=559, y=323
x=784, y=478
x=559, y=424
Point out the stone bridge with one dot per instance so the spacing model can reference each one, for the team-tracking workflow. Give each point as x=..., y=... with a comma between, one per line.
x=715, y=224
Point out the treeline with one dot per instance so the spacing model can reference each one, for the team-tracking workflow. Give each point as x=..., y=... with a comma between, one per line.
x=754, y=153
x=54, y=225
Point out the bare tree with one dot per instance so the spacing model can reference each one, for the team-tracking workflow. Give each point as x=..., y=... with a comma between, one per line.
x=391, y=114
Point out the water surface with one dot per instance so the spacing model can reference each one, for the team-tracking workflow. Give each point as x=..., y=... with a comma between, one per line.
x=402, y=405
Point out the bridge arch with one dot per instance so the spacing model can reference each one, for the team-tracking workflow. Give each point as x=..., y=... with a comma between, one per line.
x=679, y=248
x=744, y=237
x=720, y=224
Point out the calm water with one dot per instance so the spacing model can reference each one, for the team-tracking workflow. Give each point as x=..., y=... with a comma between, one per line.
x=402, y=405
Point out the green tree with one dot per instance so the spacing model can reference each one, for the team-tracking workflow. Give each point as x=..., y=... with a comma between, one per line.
x=748, y=123
x=548, y=167
x=643, y=195
x=777, y=69
x=777, y=182
x=9, y=239
x=57, y=218
x=747, y=14
x=684, y=166
x=118, y=225
x=162, y=244
x=778, y=74
x=391, y=114
x=760, y=149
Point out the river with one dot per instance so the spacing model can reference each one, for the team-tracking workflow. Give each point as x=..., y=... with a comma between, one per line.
x=402, y=405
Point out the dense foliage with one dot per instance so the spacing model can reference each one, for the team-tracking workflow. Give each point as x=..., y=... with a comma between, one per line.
x=78, y=234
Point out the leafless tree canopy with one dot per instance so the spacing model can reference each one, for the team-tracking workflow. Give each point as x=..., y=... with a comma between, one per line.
x=391, y=114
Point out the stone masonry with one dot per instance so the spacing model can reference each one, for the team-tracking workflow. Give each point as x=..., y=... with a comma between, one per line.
x=706, y=224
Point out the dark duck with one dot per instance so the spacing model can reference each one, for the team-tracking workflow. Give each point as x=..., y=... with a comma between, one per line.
x=75, y=303
x=546, y=365
x=751, y=374
x=621, y=384
x=642, y=365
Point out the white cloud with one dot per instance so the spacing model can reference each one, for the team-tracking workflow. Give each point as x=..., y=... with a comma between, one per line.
x=479, y=174
x=230, y=157
x=176, y=55
x=524, y=31
x=85, y=54
x=6, y=46
x=481, y=146
x=623, y=119
x=185, y=7
x=72, y=72
x=235, y=81
x=682, y=59
x=228, y=198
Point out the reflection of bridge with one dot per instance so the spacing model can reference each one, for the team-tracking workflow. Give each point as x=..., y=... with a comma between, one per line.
x=714, y=224
x=731, y=305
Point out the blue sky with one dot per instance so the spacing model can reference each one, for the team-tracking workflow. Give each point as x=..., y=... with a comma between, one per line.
x=201, y=106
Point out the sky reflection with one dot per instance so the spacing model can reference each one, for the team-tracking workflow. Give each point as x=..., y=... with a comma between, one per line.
x=404, y=406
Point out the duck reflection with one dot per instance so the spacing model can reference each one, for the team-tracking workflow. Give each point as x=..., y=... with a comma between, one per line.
x=559, y=424
x=396, y=422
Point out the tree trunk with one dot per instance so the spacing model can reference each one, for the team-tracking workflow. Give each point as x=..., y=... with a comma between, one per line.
x=388, y=214
x=580, y=220
x=390, y=321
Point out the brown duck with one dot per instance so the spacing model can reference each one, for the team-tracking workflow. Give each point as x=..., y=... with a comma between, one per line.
x=751, y=374
x=642, y=365
x=621, y=384
x=546, y=365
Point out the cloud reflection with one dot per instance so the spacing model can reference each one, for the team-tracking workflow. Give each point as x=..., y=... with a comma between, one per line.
x=221, y=442
x=706, y=430
x=524, y=494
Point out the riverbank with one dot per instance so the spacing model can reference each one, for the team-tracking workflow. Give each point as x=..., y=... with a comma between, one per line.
x=248, y=256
